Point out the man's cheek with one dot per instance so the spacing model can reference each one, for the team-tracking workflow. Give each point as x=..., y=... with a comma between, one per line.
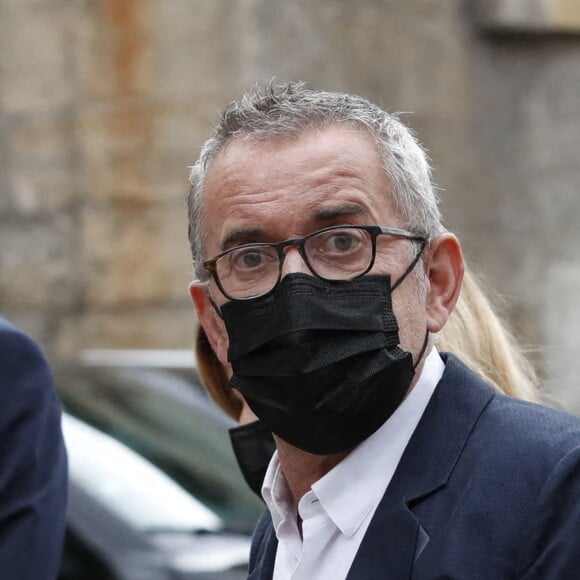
x=410, y=315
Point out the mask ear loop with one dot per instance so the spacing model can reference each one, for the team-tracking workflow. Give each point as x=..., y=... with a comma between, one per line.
x=402, y=277
x=215, y=307
x=411, y=266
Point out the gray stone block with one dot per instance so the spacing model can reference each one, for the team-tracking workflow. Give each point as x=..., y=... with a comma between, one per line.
x=38, y=262
x=40, y=163
x=35, y=58
x=135, y=255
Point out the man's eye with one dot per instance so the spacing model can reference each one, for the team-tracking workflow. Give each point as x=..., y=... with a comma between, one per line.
x=249, y=259
x=342, y=242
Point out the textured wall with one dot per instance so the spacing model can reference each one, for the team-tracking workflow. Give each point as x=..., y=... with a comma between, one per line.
x=103, y=104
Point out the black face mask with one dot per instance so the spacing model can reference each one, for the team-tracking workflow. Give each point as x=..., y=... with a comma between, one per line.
x=318, y=362
x=253, y=446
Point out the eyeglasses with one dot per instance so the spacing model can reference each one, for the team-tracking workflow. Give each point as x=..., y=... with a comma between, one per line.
x=337, y=253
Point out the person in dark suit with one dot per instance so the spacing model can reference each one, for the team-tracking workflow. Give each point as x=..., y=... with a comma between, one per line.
x=33, y=465
x=474, y=333
x=324, y=278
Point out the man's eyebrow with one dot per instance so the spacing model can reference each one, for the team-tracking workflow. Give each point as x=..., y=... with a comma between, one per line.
x=331, y=213
x=241, y=236
x=249, y=235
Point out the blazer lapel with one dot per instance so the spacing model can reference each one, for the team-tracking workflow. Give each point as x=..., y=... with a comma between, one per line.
x=395, y=539
x=388, y=546
x=264, y=566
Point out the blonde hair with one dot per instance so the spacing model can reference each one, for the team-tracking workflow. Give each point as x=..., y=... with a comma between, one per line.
x=474, y=333
x=214, y=377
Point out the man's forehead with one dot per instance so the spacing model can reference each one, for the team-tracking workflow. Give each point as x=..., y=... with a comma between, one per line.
x=322, y=175
x=319, y=153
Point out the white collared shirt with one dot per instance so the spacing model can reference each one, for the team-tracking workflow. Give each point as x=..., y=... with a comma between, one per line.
x=338, y=509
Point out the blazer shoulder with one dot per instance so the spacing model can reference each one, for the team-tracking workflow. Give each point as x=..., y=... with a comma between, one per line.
x=23, y=366
x=13, y=339
x=536, y=429
x=508, y=431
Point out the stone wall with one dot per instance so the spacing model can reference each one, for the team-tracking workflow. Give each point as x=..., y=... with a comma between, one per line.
x=104, y=103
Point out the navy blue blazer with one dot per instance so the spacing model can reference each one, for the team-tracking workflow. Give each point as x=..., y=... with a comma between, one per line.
x=488, y=488
x=33, y=467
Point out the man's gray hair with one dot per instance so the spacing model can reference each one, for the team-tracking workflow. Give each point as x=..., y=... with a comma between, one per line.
x=279, y=110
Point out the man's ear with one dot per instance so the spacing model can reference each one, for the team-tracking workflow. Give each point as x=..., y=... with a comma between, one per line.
x=210, y=321
x=445, y=273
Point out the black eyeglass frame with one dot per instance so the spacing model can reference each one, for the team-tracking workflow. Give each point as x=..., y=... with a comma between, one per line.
x=375, y=231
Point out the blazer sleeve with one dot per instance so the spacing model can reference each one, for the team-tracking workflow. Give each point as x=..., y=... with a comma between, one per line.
x=33, y=465
x=554, y=538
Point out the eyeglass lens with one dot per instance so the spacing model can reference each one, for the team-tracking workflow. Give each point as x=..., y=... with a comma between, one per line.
x=337, y=254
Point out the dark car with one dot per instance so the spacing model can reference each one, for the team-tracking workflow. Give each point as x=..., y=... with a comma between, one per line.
x=155, y=491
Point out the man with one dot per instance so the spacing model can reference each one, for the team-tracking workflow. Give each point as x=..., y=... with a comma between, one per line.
x=324, y=276
x=33, y=470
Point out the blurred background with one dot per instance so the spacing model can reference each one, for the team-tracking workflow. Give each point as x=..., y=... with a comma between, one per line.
x=103, y=106
x=104, y=103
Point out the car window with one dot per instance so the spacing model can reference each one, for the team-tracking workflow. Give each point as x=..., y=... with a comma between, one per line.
x=130, y=485
x=169, y=420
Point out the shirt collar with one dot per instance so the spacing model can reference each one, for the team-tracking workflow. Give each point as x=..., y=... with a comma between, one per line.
x=276, y=493
x=348, y=500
